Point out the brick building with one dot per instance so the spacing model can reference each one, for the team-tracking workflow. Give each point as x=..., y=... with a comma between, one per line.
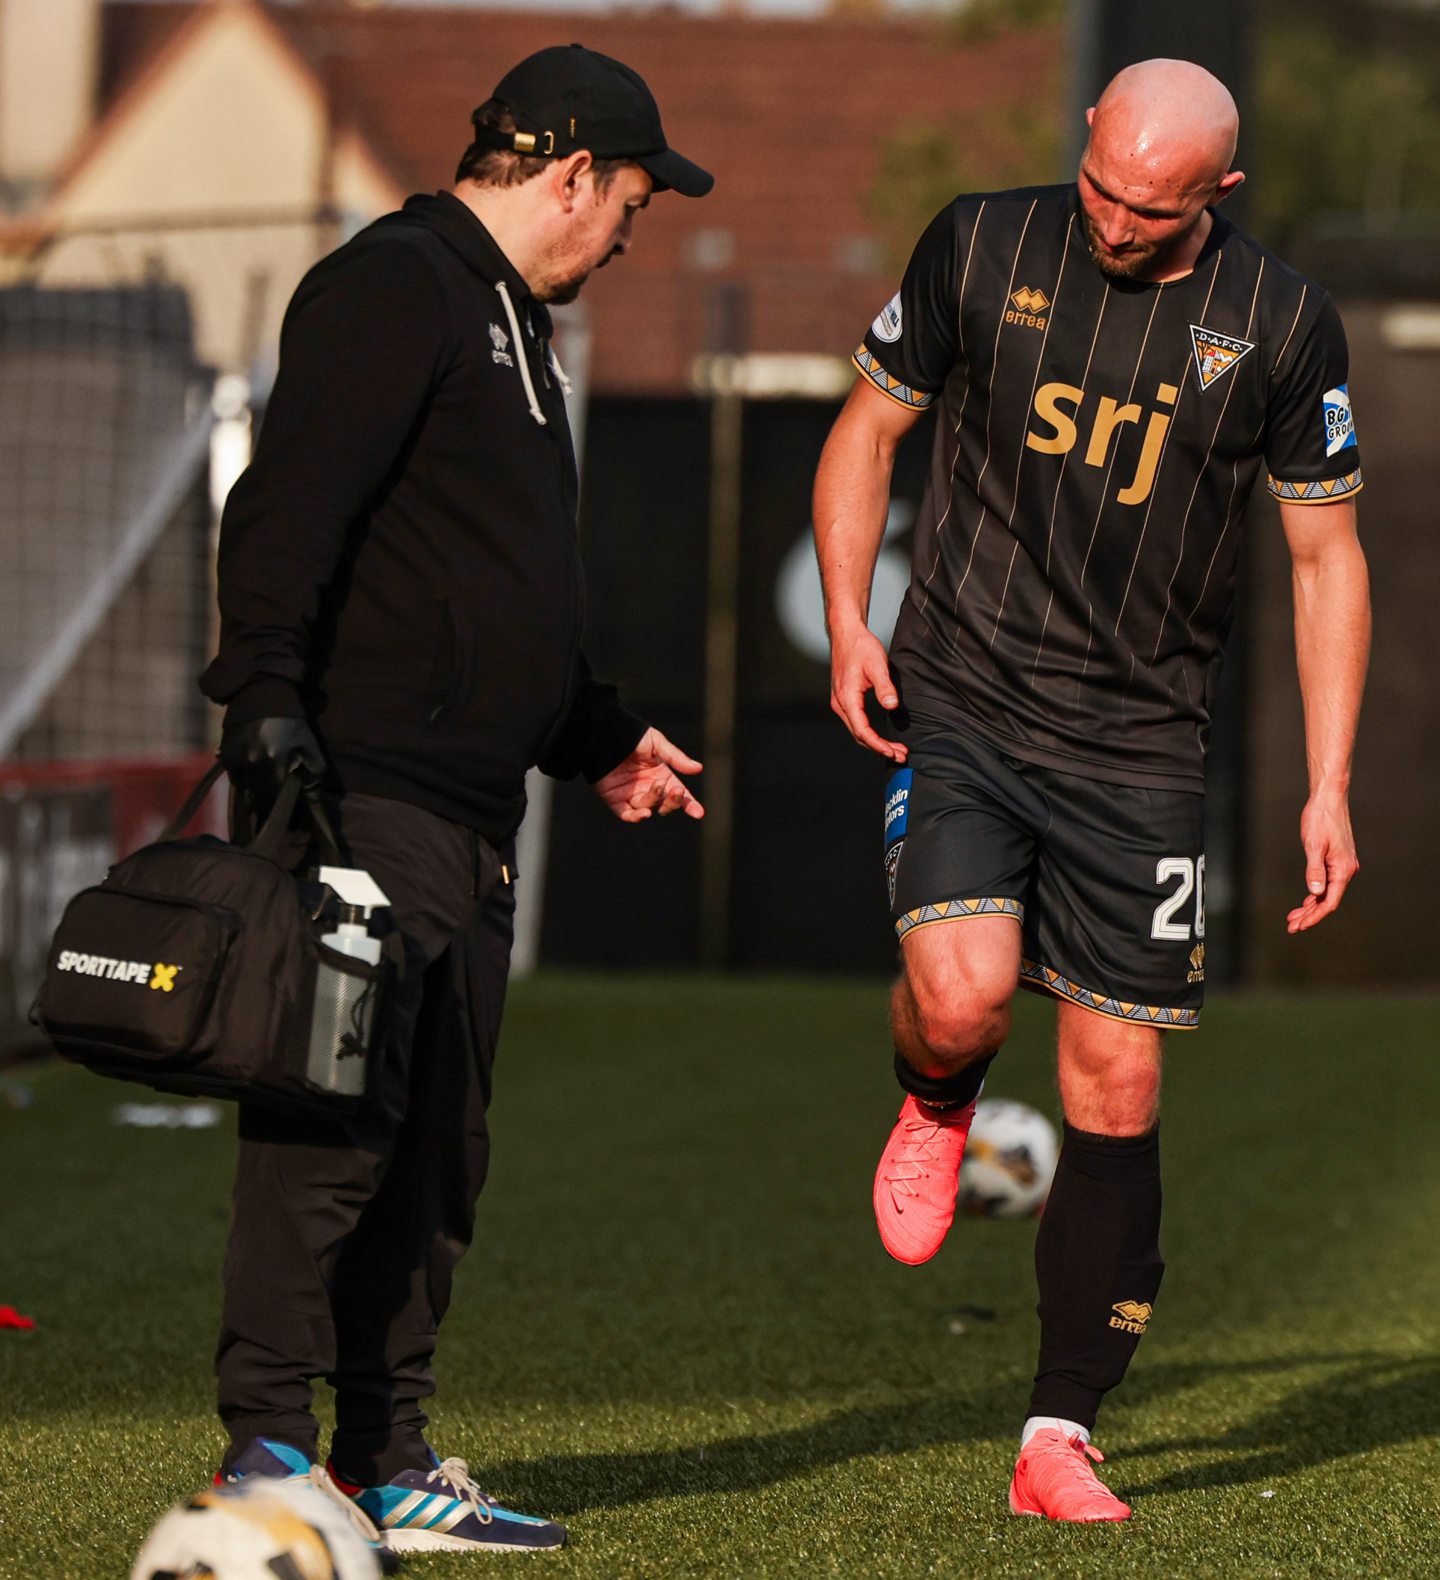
x=351, y=108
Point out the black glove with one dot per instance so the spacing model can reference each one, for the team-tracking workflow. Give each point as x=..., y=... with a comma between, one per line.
x=259, y=756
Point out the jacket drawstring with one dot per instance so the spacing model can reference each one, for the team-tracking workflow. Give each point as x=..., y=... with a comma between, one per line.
x=566, y=388
x=521, y=355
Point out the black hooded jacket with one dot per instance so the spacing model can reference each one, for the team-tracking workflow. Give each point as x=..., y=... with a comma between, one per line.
x=399, y=563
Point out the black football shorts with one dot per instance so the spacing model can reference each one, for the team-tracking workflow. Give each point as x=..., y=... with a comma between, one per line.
x=1107, y=881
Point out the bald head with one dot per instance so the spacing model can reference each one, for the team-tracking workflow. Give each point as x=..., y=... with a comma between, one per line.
x=1168, y=118
x=1161, y=141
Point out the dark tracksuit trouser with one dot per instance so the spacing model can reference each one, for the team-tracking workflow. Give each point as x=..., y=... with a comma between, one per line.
x=344, y=1236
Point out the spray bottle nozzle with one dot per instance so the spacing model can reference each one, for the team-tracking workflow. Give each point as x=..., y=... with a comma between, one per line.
x=356, y=891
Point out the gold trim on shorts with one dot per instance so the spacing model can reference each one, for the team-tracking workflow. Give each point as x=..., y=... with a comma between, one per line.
x=958, y=910
x=1041, y=979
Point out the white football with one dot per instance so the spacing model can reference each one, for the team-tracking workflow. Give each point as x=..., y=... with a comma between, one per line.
x=1009, y=1161
x=256, y=1530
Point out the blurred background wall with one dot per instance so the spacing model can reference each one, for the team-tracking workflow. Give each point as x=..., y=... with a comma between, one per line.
x=169, y=170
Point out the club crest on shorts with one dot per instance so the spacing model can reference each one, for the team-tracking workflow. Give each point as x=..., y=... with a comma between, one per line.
x=1216, y=354
x=892, y=865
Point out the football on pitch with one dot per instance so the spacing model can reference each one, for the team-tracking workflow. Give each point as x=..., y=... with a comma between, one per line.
x=1009, y=1161
x=257, y=1530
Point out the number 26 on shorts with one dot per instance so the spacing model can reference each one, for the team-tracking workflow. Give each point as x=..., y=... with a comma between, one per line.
x=1191, y=874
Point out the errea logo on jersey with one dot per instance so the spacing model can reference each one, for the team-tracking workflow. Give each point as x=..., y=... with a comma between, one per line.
x=1028, y=307
x=142, y=973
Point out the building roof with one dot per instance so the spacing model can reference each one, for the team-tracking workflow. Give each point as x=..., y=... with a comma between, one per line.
x=791, y=116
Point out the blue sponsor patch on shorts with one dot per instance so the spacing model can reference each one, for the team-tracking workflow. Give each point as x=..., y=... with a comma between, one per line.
x=897, y=805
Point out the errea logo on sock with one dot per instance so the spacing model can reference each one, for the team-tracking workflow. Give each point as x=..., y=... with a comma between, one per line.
x=1132, y=1315
x=141, y=972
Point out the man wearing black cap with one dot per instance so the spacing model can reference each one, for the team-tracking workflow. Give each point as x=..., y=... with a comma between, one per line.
x=400, y=620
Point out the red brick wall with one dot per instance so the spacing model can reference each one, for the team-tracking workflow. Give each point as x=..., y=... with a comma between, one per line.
x=789, y=115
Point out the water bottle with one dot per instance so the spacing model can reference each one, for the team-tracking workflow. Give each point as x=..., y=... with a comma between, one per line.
x=344, y=1009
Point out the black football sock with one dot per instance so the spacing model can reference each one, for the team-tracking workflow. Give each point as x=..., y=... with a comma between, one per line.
x=1098, y=1264
x=944, y=1091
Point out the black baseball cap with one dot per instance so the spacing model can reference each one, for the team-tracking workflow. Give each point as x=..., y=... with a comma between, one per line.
x=568, y=97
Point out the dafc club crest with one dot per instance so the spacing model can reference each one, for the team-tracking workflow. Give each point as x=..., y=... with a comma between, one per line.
x=892, y=863
x=1216, y=354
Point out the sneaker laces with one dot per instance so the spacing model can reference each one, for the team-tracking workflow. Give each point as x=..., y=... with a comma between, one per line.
x=913, y=1155
x=455, y=1474
x=1074, y=1466
x=320, y=1479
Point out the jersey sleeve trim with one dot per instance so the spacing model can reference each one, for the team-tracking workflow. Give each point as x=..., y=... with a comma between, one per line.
x=1317, y=493
x=869, y=364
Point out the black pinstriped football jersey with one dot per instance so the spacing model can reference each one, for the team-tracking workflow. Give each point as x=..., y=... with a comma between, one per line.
x=1097, y=440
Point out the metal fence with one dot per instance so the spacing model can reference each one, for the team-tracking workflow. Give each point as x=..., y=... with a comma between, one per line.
x=112, y=340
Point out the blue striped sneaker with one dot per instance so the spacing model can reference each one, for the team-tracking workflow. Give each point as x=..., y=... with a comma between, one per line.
x=442, y=1510
x=267, y=1457
x=272, y=1460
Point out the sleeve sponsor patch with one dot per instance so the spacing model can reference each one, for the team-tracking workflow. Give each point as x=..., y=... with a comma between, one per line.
x=888, y=321
x=1339, y=420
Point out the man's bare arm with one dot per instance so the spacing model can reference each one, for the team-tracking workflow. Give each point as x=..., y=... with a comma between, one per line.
x=1332, y=648
x=852, y=498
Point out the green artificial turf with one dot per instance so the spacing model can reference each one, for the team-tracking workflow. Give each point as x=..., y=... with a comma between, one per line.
x=677, y=1330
